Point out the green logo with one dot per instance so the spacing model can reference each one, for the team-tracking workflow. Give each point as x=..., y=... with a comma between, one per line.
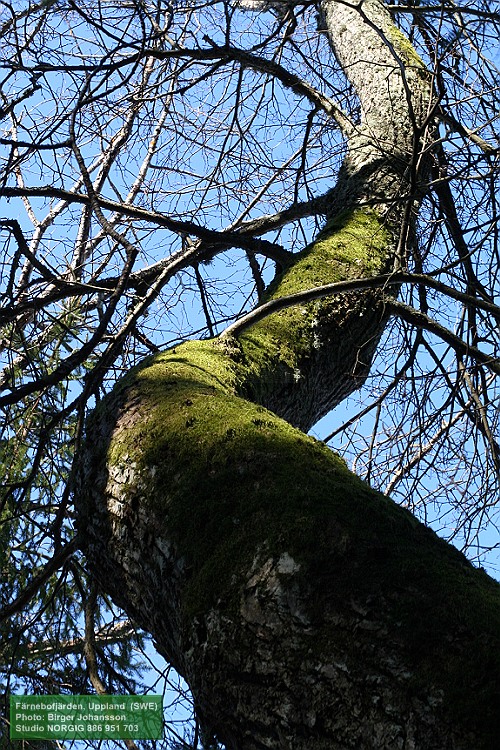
x=86, y=717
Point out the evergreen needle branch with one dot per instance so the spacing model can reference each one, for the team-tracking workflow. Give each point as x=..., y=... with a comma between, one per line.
x=55, y=562
x=89, y=646
x=90, y=654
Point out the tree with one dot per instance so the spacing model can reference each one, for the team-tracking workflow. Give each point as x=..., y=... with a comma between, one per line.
x=165, y=147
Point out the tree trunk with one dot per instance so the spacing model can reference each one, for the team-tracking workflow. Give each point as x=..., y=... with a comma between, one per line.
x=304, y=609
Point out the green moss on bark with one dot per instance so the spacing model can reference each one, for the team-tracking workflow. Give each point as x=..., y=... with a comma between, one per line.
x=404, y=48
x=354, y=244
x=227, y=480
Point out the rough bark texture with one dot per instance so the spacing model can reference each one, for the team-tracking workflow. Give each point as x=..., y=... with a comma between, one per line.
x=304, y=609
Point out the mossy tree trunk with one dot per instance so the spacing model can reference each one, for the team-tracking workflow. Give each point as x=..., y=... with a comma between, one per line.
x=305, y=610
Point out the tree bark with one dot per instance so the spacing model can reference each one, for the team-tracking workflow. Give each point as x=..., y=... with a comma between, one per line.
x=304, y=609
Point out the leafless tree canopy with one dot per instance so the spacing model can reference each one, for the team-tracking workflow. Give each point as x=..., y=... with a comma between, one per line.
x=159, y=163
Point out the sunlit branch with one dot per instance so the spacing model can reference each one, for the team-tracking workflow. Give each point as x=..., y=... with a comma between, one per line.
x=107, y=636
x=466, y=132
